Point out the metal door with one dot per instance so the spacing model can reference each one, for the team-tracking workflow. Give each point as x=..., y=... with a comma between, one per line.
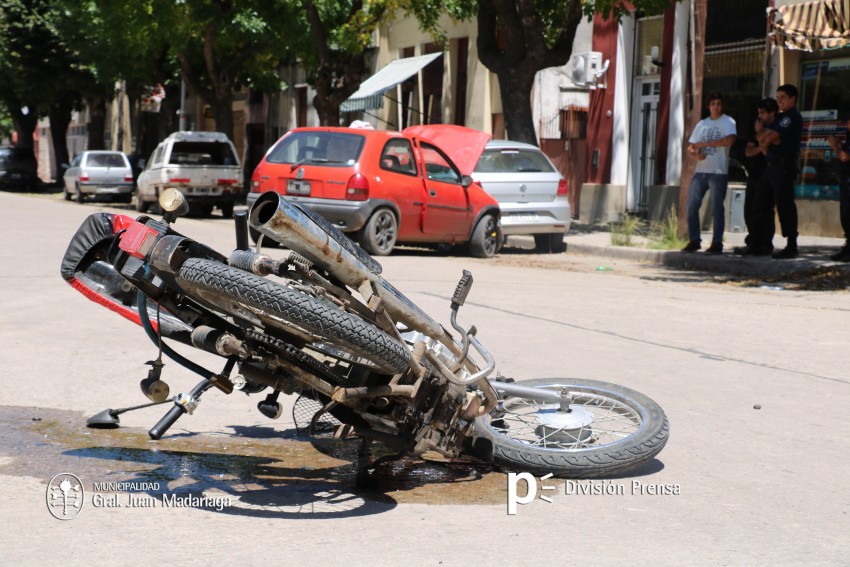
x=644, y=130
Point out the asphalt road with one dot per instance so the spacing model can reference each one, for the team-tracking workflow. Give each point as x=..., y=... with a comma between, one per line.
x=754, y=486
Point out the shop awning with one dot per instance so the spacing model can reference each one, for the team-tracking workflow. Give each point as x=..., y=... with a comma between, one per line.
x=371, y=91
x=811, y=26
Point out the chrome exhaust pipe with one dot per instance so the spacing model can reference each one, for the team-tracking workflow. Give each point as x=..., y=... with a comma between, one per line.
x=279, y=219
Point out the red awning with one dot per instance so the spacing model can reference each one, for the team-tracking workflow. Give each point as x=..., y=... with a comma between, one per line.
x=811, y=26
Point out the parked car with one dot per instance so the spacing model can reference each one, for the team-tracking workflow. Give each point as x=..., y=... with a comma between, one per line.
x=99, y=173
x=18, y=168
x=386, y=188
x=202, y=165
x=531, y=192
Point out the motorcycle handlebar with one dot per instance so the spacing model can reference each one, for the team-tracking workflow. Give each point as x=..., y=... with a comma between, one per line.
x=158, y=430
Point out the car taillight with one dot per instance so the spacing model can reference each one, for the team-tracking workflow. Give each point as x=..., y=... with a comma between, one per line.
x=357, y=188
x=84, y=177
x=226, y=181
x=179, y=180
x=255, y=186
x=128, y=178
x=562, y=187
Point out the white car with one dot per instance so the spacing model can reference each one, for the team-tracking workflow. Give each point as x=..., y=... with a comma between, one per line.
x=202, y=165
x=531, y=192
x=99, y=174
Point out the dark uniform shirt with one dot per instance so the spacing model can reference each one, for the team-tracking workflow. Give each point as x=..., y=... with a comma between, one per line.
x=755, y=165
x=789, y=126
x=844, y=166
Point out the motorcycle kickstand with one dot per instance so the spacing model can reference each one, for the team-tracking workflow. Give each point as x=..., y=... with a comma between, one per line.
x=186, y=403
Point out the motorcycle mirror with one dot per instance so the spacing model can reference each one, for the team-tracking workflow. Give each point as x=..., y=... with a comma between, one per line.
x=107, y=419
x=174, y=204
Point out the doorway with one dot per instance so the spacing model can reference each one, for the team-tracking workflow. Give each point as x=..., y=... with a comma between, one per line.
x=644, y=128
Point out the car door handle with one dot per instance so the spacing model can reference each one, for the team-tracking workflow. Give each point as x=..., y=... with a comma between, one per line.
x=432, y=192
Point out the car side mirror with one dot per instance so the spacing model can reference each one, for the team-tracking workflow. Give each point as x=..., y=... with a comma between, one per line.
x=466, y=181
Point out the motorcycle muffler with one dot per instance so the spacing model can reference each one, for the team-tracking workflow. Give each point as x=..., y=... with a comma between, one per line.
x=285, y=222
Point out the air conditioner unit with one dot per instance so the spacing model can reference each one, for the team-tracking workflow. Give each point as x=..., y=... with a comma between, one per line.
x=586, y=66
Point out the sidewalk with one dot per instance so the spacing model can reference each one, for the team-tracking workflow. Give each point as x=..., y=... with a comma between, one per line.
x=814, y=253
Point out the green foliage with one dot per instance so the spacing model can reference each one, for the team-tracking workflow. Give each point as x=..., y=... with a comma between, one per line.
x=664, y=234
x=624, y=231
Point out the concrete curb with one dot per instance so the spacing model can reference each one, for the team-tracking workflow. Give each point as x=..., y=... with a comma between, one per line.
x=761, y=266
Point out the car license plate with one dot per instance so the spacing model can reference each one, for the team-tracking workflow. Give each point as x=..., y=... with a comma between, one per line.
x=517, y=219
x=109, y=189
x=297, y=187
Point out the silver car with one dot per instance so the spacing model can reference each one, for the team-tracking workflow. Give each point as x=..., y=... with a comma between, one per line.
x=532, y=194
x=99, y=174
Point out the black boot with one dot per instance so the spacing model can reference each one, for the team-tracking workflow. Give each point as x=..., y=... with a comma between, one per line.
x=843, y=254
x=790, y=250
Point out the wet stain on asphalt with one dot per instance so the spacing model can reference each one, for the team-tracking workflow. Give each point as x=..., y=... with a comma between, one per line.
x=265, y=471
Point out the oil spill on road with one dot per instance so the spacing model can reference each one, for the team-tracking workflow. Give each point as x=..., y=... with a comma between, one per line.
x=267, y=472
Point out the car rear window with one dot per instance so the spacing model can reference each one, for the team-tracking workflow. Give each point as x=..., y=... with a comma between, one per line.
x=336, y=149
x=14, y=155
x=105, y=160
x=513, y=161
x=202, y=153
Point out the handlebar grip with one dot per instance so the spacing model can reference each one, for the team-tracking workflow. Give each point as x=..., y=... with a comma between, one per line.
x=158, y=430
x=241, y=220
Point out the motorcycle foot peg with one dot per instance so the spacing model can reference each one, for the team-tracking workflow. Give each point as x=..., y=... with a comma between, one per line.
x=270, y=407
x=154, y=389
x=462, y=290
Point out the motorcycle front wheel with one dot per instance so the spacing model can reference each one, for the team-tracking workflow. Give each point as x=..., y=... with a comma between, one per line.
x=607, y=430
x=251, y=297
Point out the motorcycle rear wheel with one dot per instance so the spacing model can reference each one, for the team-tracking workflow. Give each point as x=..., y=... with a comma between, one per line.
x=609, y=430
x=243, y=294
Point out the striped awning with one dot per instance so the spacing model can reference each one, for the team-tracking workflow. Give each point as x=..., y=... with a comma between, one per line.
x=810, y=26
x=371, y=91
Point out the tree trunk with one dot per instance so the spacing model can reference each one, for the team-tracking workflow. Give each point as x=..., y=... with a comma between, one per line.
x=222, y=111
x=24, y=126
x=515, y=90
x=60, y=117
x=97, y=122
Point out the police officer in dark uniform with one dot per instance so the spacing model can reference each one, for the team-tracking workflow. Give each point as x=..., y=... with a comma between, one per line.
x=782, y=144
x=755, y=162
x=842, y=153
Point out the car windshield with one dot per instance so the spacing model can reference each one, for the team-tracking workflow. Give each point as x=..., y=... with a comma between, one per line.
x=105, y=160
x=327, y=148
x=202, y=153
x=512, y=161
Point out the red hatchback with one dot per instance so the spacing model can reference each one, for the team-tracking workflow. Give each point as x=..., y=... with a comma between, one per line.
x=386, y=188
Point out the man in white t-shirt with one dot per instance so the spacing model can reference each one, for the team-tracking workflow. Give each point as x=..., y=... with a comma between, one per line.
x=709, y=145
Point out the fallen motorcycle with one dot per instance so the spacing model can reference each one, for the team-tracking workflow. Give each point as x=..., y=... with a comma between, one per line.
x=324, y=324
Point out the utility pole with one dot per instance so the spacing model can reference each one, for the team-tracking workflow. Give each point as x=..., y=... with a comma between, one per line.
x=693, y=110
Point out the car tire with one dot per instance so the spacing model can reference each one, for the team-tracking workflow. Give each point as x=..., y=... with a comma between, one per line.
x=81, y=198
x=550, y=243
x=141, y=204
x=227, y=210
x=485, y=238
x=379, y=235
x=66, y=194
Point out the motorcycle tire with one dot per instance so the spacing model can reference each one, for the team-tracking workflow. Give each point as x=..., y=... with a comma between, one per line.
x=526, y=435
x=242, y=294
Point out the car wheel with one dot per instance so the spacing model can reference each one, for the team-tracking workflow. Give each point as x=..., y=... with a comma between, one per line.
x=485, y=238
x=379, y=235
x=141, y=204
x=81, y=198
x=550, y=243
x=66, y=194
x=227, y=210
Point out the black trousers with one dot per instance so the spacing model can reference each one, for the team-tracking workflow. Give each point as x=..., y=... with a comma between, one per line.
x=776, y=188
x=844, y=205
x=751, y=214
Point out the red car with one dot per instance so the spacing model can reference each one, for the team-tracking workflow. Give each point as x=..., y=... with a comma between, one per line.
x=386, y=188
